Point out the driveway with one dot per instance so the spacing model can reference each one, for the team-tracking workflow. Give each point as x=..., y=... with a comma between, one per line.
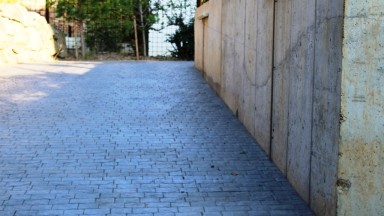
x=129, y=138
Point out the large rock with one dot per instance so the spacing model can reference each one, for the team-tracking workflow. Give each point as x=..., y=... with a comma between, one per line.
x=25, y=36
x=14, y=12
x=6, y=27
x=24, y=56
x=7, y=56
x=34, y=42
x=33, y=4
x=6, y=31
x=20, y=38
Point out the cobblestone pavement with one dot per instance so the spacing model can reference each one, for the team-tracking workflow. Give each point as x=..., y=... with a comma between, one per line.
x=129, y=138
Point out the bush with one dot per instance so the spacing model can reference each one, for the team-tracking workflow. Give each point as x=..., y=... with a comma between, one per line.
x=183, y=40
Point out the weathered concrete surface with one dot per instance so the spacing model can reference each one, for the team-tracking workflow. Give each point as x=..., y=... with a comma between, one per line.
x=300, y=95
x=305, y=92
x=232, y=52
x=361, y=173
x=282, y=46
x=327, y=93
x=228, y=43
x=209, y=29
x=303, y=41
x=263, y=70
x=199, y=38
x=212, y=38
x=248, y=76
x=306, y=97
x=326, y=106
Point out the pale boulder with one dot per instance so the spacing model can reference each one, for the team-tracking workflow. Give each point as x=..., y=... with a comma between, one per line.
x=6, y=27
x=19, y=39
x=33, y=5
x=6, y=30
x=34, y=39
x=13, y=12
x=25, y=36
x=8, y=56
x=24, y=57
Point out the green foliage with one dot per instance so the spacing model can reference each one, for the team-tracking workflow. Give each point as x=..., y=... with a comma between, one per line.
x=108, y=22
x=183, y=39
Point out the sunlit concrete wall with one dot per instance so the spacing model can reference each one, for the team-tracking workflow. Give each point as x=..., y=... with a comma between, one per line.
x=285, y=70
x=208, y=31
x=361, y=164
x=278, y=67
x=228, y=40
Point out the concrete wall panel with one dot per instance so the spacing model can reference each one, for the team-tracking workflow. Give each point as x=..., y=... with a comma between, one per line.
x=300, y=95
x=212, y=37
x=282, y=47
x=199, y=38
x=248, y=98
x=263, y=82
x=360, y=185
x=326, y=106
x=239, y=56
x=230, y=52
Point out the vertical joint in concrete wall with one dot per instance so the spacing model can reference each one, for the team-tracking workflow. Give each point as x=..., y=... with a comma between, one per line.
x=312, y=114
x=272, y=78
x=202, y=55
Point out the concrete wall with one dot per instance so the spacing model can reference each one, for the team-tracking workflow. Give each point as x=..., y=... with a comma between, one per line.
x=279, y=70
x=233, y=43
x=306, y=98
x=208, y=31
x=361, y=164
x=293, y=91
x=326, y=105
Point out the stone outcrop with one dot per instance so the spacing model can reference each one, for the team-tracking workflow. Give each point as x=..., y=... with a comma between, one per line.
x=25, y=36
x=33, y=5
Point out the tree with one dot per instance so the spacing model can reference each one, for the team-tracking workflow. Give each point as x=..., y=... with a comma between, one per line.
x=109, y=22
x=183, y=39
x=147, y=11
x=72, y=11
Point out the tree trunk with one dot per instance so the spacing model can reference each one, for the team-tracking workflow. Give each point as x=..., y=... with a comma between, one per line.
x=75, y=36
x=82, y=39
x=143, y=28
x=47, y=13
x=136, y=38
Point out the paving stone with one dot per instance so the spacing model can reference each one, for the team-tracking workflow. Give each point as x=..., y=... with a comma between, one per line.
x=50, y=212
x=98, y=211
x=129, y=138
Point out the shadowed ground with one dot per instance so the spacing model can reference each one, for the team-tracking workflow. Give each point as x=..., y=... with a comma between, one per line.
x=129, y=138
